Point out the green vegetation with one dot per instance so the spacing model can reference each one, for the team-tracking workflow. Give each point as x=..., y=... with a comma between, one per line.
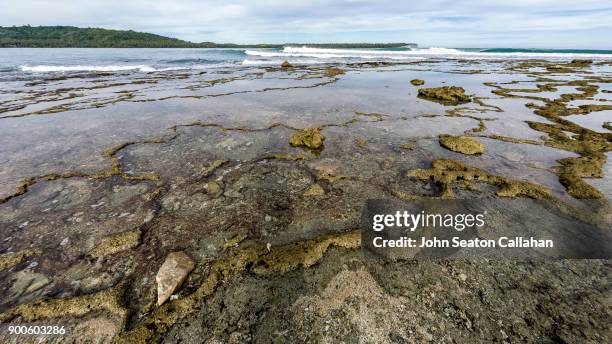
x=74, y=37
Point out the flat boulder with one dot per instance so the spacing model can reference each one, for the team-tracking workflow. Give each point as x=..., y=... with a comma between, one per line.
x=417, y=82
x=447, y=95
x=172, y=274
x=462, y=144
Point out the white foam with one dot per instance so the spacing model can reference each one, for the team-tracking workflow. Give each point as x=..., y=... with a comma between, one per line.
x=84, y=68
x=433, y=52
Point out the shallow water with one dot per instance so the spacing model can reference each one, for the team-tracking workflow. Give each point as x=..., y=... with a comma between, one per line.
x=198, y=156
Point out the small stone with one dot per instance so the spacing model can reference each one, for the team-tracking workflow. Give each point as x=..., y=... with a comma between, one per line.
x=65, y=242
x=462, y=277
x=23, y=225
x=172, y=274
x=269, y=247
x=314, y=190
x=417, y=82
x=268, y=218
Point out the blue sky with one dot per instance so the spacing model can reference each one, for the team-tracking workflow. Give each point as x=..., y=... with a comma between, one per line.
x=494, y=23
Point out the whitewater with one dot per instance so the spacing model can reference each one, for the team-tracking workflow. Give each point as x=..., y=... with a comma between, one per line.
x=34, y=61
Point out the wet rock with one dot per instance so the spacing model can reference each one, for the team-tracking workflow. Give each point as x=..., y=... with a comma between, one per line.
x=314, y=190
x=172, y=274
x=213, y=189
x=116, y=243
x=608, y=125
x=9, y=260
x=417, y=82
x=333, y=72
x=27, y=282
x=308, y=137
x=462, y=144
x=286, y=65
x=447, y=95
x=580, y=63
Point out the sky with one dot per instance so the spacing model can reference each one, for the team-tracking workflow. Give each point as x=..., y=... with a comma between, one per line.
x=571, y=24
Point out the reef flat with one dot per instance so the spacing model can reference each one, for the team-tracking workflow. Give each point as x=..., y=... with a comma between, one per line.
x=257, y=176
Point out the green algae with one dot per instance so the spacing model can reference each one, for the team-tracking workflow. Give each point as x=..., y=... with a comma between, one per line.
x=287, y=156
x=9, y=260
x=332, y=72
x=592, y=146
x=286, y=65
x=315, y=190
x=212, y=168
x=116, y=243
x=445, y=172
x=108, y=300
x=514, y=140
x=417, y=82
x=233, y=242
x=308, y=137
x=446, y=95
x=462, y=144
x=251, y=257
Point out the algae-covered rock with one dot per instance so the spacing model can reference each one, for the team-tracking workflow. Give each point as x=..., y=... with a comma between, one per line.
x=580, y=63
x=608, y=125
x=447, y=95
x=417, y=82
x=9, y=260
x=172, y=274
x=308, y=137
x=116, y=243
x=314, y=190
x=332, y=72
x=286, y=65
x=462, y=144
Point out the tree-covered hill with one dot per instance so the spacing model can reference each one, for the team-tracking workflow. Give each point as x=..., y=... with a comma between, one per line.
x=74, y=37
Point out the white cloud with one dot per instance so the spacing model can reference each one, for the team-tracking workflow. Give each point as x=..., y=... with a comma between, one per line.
x=525, y=23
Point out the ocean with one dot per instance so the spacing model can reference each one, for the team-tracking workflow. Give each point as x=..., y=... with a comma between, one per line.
x=17, y=61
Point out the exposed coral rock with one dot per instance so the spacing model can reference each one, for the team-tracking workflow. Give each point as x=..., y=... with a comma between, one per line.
x=447, y=95
x=309, y=137
x=462, y=144
x=172, y=274
x=445, y=172
x=332, y=72
x=116, y=243
x=580, y=63
x=9, y=260
x=417, y=82
x=314, y=190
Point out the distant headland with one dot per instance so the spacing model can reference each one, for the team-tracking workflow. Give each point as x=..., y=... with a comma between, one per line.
x=75, y=37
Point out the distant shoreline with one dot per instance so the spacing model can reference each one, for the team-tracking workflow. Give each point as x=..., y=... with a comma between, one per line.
x=75, y=37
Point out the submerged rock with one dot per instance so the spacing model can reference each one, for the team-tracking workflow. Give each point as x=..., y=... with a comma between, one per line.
x=417, y=82
x=116, y=243
x=332, y=72
x=462, y=144
x=172, y=274
x=314, y=190
x=447, y=95
x=309, y=137
x=9, y=260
